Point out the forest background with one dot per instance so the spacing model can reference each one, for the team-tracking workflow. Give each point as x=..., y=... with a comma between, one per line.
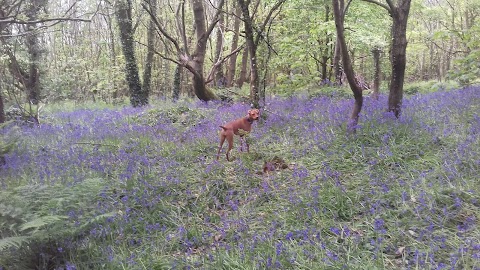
x=72, y=50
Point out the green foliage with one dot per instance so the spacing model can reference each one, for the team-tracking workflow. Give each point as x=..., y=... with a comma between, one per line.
x=33, y=215
x=8, y=140
x=425, y=87
x=331, y=92
x=467, y=69
x=175, y=114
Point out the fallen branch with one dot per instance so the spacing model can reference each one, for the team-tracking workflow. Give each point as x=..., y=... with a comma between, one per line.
x=96, y=144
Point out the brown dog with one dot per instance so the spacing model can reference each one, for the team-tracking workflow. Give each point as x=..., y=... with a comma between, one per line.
x=238, y=127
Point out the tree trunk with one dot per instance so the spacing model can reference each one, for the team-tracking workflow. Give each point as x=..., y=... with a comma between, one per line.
x=376, y=75
x=325, y=54
x=220, y=80
x=198, y=58
x=337, y=58
x=347, y=64
x=243, y=71
x=113, y=54
x=398, y=55
x=252, y=50
x=32, y=82
x=2, y=109
x=177, y=82
x=147, y=73
x=324, y=68
x=337, y=65
x=233, y=60
x=124, y=18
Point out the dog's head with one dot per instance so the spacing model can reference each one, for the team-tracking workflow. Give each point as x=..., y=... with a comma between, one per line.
x=253, y=114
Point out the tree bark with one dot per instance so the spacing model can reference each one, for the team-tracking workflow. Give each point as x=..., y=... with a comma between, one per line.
x=124, y=19
x=113, y=53
x=147, y=72
x=252, y=51
x=337, y=63
x=32, y=85
x=220, y=80
x=325, y=53
x=243, y=71
x=198, y=58
x=177, y=82
x=233, y=60
x=2, y=109
x=376, y=76
x=347, y=64
x=252, y=44
x=399, y=15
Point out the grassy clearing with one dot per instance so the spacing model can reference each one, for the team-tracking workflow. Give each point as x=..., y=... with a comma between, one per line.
x=123, y=188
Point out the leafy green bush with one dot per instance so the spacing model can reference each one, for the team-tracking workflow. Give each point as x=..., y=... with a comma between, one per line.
x=424, y=87
x=466, y=70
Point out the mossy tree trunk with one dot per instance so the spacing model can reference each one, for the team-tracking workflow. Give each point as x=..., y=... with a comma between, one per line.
x=177, y=82
x=147, y=72
x=138, y=97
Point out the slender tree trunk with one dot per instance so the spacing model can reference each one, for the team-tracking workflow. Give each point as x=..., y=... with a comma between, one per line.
x=220, y=80
x=325, y=54
x=124, y=18
x=177, y=82
x=324, y=68
x=376, y=76
x=233, y=59
x=113, y=54
x=337, y=58
x=32, y=80
x=356, y=89
x=243, y=71
x=337, y=65
x=2, y=109
x=252, y=50
x=2, y=120
x=147, y=73
x=398, y=55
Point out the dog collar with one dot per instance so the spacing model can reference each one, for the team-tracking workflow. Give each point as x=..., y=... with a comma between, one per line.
x=250, y=120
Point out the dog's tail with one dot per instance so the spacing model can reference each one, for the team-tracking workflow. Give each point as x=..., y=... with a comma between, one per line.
x=224, y=128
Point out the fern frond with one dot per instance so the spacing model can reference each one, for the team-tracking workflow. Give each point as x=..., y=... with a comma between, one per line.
x=13, y=242
x=97, y=219
x=40, y=222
